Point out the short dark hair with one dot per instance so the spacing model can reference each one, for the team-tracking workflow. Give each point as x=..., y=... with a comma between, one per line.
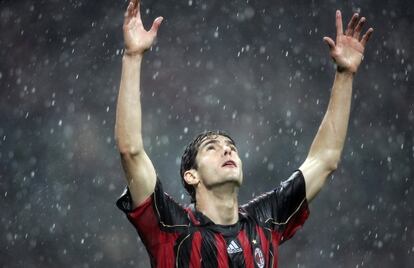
x=188, y=159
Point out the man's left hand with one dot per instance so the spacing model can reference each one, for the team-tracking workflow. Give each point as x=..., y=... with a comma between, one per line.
x=348, y=50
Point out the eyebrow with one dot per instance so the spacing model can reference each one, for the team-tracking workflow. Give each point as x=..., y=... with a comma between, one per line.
x=210, y=141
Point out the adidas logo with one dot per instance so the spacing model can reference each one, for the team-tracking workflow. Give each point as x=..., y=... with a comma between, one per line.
x=233, y=248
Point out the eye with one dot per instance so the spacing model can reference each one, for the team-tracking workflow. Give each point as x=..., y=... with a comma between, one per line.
x=210, y=147
x=233, y=148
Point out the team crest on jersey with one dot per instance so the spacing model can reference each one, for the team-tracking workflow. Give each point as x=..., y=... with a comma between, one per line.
x=258, y=257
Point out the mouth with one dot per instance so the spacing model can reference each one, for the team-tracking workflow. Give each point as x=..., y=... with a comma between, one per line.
x=229, y=163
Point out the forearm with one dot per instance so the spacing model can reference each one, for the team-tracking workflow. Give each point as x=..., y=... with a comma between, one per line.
x=330, y=138
x=128, y=133
x=347, y=51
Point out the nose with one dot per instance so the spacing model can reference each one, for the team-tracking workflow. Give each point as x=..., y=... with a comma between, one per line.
x=227, y=150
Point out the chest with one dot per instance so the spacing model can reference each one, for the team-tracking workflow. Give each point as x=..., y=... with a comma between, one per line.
x=250, y=246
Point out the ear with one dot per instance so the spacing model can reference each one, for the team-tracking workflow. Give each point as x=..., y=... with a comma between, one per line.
x=191, y=177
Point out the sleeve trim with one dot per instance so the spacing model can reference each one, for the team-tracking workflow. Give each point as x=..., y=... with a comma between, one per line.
x=291, y=215
x=159, y=215
x=124, y=202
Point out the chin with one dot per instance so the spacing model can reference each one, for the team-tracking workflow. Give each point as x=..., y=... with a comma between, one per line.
x=235, y=180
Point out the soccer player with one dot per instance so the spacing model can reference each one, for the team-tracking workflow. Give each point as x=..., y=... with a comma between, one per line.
x=215, y=231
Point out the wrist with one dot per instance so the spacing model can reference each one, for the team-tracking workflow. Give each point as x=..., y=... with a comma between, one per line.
x=345, y=72
x=132, y=56
x=344, y=75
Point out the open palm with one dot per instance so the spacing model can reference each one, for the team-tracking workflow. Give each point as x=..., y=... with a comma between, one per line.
x=137, y=39
x=348, y=50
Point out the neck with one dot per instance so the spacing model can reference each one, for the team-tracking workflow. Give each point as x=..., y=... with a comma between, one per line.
x=219, y=204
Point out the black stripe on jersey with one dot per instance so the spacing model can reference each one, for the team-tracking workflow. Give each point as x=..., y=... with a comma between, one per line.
x=171, y=215
x=208, y=249
x=236, y=260
x=182, y=250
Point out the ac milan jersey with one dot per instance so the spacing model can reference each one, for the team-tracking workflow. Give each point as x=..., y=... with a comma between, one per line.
x=177, y=236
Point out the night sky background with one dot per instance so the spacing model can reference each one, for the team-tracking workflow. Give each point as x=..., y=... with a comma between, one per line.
x=256, y=69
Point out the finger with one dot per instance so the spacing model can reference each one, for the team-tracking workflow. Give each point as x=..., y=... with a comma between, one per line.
x=130, y=8
x=339, y=27
x=351, y=25
x=156, y=24
x=128, y=13
x=137, y=4
x=329, y=42
x=366, y=36
x=358, y=28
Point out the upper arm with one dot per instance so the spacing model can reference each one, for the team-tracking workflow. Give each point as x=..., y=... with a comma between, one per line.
x=315, y=171
x=140, y=174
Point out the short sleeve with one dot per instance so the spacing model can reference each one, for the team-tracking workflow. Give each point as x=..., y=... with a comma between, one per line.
x=283, y=209
x=159, y=212
x=159, y=221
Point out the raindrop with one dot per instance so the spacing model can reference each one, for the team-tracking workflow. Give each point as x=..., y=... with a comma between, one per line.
x=216, y=33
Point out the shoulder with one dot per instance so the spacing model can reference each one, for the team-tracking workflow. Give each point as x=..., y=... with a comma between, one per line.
x=280, y=202
x=159, y=207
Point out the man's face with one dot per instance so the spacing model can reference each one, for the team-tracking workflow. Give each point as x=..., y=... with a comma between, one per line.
x=218, y=162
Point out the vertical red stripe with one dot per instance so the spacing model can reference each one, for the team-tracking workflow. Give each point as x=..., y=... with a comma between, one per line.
x=296, y=221
x=165, y=257
x=275, y=245
x=264, y=243
x=195, y=261
x=222, y=258
x=247, y=251
x=146, y=222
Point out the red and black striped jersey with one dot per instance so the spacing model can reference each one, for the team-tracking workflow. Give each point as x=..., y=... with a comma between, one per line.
x=177, y=236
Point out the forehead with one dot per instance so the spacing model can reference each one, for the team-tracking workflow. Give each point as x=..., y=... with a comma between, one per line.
x=216, y=138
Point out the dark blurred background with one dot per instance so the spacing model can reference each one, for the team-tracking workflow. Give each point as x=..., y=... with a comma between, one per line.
x=257, y=69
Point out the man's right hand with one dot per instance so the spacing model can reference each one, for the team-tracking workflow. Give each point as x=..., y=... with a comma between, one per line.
x=137, y=39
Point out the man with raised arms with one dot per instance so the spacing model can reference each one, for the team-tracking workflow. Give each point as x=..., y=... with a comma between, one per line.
x=215, y=231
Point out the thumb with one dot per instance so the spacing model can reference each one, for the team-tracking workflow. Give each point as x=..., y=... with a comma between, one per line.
x=329, y=42
x=156, y=24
